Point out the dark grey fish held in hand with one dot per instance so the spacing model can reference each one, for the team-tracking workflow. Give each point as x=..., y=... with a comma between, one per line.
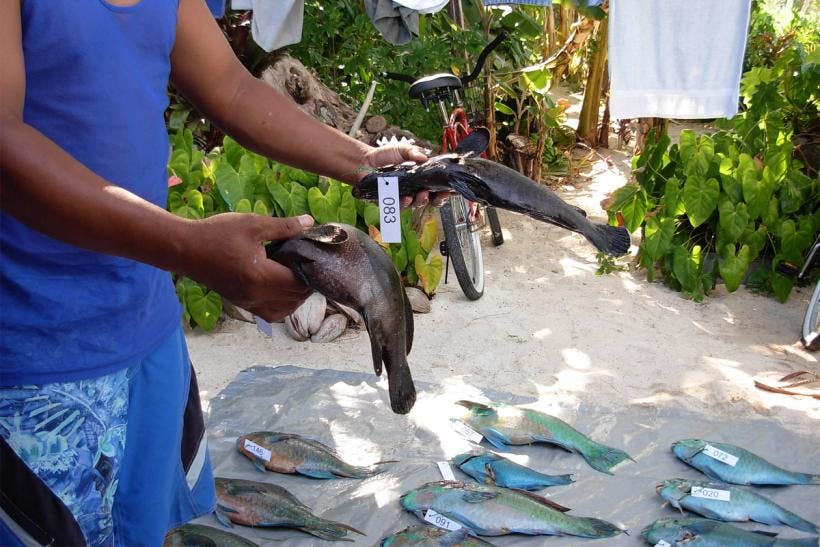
x=347, y=266
x=491, y=183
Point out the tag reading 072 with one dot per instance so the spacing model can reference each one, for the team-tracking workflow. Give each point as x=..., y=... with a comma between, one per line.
x=389, y=209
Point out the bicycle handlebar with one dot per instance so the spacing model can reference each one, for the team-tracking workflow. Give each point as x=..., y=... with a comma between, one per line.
x=482, y=58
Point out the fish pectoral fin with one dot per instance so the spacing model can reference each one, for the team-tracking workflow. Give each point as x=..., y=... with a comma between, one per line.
x=542, y=500
x=314, y=473
x=328, y=234
x=222, y=517
x=408, y=323
x=259, y=464
x=488, y=468
x=375, y=346
x=708, y=513
x=496, y=438
x=478, y=497
x=476, y=142
x=764, y=533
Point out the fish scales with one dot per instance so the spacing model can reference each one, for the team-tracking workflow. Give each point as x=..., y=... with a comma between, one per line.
x=492, y=511
x=347, y=266
x=504, y=425
x=291, y=453
x=710, y=533
x=492, y=183
x=743, y=505
x=252, y=503
x=749, y=468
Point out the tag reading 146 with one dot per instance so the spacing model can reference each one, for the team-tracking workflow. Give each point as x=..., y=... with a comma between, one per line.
x=256, y=450
x=389, y=209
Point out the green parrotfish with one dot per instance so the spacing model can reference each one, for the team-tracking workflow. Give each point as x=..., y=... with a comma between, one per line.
x=252, y=503
x=504, y=425
x=291, y=453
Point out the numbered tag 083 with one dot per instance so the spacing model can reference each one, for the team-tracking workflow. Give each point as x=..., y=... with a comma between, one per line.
x=389, y=209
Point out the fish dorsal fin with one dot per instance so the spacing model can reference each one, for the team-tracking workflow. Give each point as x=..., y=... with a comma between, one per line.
x=542, y=500
x=329, y=234
x=765, y=533
x=375, y=347
x=477, y=408
x=476, y=142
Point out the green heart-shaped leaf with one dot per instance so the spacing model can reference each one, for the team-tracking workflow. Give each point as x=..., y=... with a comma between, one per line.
x=429, y=272
x=733, y=220
x=658, y=237
x=733, y=267
x=700, y=197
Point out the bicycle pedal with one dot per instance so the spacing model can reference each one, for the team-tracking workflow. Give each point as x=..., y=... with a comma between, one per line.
x=442, y=249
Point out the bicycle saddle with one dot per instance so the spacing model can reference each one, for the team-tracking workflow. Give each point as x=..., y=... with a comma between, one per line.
x=432, y=83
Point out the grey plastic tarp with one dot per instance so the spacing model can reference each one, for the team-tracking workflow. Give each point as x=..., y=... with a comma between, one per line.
x=349, y=411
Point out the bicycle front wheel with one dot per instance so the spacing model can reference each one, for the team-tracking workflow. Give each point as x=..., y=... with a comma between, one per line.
x=463, y=246
x=811, y=323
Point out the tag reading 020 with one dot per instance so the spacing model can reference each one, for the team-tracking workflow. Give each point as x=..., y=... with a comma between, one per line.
x=389, y=209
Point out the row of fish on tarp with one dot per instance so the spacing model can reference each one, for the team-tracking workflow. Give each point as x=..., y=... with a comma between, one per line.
x=501, y=500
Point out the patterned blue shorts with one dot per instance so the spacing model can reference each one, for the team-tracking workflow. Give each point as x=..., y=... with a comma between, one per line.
x=113, y=460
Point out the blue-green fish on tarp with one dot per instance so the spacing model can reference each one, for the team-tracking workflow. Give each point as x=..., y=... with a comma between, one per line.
x=490, y=468
x=504, y=425
x=430, y=536
x=742, y=505
x=748, y=468
x=292, y=453
x=488, y=510
x=697, y=532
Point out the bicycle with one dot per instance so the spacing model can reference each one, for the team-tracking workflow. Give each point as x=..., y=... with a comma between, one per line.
x=810, y=335
x=461, y=220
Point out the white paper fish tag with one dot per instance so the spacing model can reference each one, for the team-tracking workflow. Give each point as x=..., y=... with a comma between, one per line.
x=446, y=471
x=256, y=450
x=441, y=521
x=710, y=493
x=466, y=431
x=389, y=210
x=663, y=543
x=720, y=455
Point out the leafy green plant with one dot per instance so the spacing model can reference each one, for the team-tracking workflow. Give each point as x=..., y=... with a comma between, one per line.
x=714, y=206
x=231, y=178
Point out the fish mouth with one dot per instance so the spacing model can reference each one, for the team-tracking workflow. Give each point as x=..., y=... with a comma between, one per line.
x=658, y=488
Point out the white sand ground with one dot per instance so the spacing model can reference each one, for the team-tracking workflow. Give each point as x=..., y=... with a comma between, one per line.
x=548, y=327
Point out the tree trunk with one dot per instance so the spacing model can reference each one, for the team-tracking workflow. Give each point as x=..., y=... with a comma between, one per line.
x=603, y=132
x=644, y=126
x=291, y=78
x=567, y=17
x=588, y=119
x=549, y=16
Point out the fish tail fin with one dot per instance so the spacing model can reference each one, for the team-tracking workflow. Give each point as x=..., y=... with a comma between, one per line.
x=365, y=471
x=329, y=530
x=400, y=382
x=813, y=479
x=598, y=528
x=603, y=458
x=612, y=240
x=798, y=523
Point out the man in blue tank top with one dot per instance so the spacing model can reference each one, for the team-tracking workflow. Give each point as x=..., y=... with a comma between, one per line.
x=102, y=439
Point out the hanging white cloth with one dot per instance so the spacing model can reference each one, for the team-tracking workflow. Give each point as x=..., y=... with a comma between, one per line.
x=676, y=58
x=423, y=6
x=274, y=24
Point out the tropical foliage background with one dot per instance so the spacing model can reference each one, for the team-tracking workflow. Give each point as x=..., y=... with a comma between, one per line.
x=724, y=207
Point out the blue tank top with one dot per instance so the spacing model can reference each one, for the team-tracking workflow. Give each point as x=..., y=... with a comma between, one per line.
x=96, y=84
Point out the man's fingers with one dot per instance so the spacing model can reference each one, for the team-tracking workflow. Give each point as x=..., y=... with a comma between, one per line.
x=283, y=228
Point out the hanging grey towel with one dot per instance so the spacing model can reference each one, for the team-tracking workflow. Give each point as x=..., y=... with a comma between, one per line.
x=274, y=24
x=396, y=23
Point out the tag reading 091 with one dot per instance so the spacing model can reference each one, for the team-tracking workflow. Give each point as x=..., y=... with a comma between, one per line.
x=389, y=209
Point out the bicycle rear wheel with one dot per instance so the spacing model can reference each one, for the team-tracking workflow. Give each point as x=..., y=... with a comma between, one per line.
x=496, y=235
x=463, y=246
